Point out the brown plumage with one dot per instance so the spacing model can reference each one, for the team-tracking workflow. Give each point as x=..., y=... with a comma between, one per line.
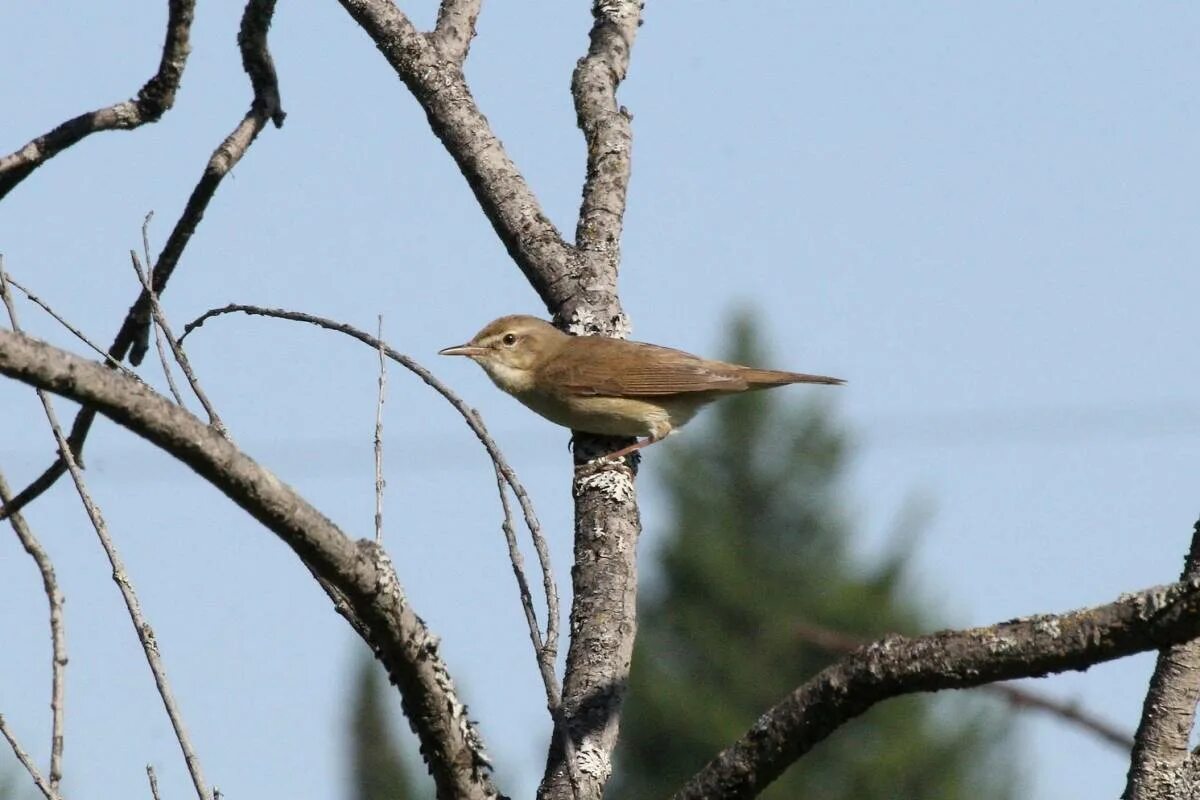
x=609, y=386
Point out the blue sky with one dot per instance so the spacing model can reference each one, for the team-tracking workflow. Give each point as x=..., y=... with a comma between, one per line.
x=982, y=215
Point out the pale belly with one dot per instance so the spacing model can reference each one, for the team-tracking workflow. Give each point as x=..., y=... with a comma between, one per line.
x=613, y=416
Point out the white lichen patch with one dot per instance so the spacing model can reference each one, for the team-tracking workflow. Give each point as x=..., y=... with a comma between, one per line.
x=1047, y=626
x=616, y=485
x=593, y=762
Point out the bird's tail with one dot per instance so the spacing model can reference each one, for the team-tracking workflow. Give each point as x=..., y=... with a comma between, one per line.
x=766, y=378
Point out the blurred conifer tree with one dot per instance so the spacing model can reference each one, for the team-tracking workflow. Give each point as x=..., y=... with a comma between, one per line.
x=759, y=544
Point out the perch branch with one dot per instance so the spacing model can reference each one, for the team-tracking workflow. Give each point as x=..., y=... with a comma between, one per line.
x=578, y=284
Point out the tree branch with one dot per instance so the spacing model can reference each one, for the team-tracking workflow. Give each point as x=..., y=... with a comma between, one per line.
x=1161, y=743
x=897, y=665
x=27, y=762
x=58, y=637
x=153, y=100
x=133, y=606
x=578, y=284
x=437, y=83
x=360, y=571
x=605, y=126
x=134, y=333
x=455, y=28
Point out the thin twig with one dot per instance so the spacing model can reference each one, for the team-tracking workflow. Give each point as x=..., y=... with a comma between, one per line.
x=76, y=332
x=1066, y=711
x=141, y=626
x=841, y=643
x=153, y=782
x=158, y=343
x=26, y=762
x=160, y=322
x=379, y=437
x=58, y=637
x=545, y=665
x=132, y=338
x=549, y=649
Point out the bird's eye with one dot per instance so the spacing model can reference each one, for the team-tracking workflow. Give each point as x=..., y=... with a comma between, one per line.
x=509, y=339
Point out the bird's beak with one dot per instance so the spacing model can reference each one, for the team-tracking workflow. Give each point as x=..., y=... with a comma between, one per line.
x=468, y=350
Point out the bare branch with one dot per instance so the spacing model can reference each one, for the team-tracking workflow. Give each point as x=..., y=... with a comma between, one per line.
x=579, y=286
x=379, y=438
x=160, y=322
x=605, y=126
x=153, y=100
x=455, y=28
x=78, y=334
x=257, y=62
x=1161, y=743
x=58, y=637
x=134, y=333
x=360, y=572
x=506, y=199
x=158, y=335
x=153, y=782
x=1018, y=697
x=474, y=422
x=897, y=665
x=141, y=625
x=26, y=762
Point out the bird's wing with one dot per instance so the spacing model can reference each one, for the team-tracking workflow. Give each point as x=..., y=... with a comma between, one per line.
x=649, y=371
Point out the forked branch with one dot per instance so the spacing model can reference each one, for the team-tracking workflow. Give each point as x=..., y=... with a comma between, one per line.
x=1161, y=745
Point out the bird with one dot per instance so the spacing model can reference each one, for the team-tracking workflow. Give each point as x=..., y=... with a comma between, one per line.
x=611, y=387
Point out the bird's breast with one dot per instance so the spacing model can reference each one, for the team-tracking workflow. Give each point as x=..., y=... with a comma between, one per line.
x=612, y=416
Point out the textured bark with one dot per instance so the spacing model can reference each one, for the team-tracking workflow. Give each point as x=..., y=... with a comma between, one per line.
x=896, y=665
x=578, y=284
x=358, y=575
x=603, y=626
x=1161, y=743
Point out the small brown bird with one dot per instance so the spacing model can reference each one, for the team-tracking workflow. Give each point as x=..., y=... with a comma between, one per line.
x=608, y=386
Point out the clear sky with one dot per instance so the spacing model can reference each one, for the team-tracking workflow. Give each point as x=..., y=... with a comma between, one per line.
x=982, y=215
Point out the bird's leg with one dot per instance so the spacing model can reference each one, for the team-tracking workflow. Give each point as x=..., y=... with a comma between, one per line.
x=624, y=451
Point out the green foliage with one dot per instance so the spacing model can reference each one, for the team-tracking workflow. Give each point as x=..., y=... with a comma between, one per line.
x=377, y=767
x=758, y=547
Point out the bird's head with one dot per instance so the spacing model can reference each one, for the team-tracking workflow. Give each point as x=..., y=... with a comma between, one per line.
x=511, y=349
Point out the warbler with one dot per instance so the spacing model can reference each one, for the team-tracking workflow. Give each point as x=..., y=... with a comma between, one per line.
x=612, y=387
